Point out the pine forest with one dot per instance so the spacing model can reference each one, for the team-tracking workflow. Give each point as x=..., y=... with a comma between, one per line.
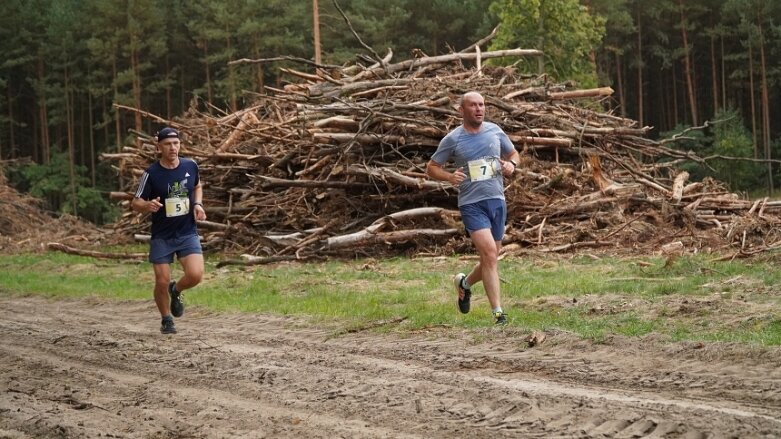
x=81, y=78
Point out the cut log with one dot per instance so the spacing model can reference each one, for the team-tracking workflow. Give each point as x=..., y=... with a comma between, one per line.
x=279, y=182
x=366, y=238
x=442, y=59
x=363, y=139
x=246, y=121
x=367, y=234
x=591, y=93
x=120, y=196
x=678, y=183
x=94, y=254
x=541, y=141
x=390, y=175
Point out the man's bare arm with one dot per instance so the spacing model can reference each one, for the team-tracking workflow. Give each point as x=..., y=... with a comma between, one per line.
x=437, y=172
x=144, y=206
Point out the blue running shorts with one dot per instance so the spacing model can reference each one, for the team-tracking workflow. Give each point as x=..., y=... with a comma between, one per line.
x=161, y=251
x=485, y=214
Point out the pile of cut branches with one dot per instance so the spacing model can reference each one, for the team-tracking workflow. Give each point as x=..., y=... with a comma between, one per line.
x=25, y=225
x=333, y=164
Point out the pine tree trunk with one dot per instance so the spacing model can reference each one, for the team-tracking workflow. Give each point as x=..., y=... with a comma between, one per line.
x=231, y=78
x=258, y=67
x=9, y=96
x=688, y=68
x=169, y=106
x=209, y=97
x=723, y=74
x=106, y=132
x=674, y=74
x=182, y=91
x=541, y=40
x=765, y=107
x=751, y=98
x=316, y=27
x=640, y=117
x=91, y=116
x=80, y=139
x=135, y=66
x=117, y=117
x=69, y=122
x=714, y=74
x=620, y=80
x=43, y=114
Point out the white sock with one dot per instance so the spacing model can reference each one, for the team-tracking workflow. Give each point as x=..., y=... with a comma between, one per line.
x=464, y=284
x=498, y=309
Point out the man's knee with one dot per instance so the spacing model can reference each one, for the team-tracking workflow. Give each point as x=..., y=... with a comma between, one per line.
x=161, y=282
x=193, y=268
x=194, y=275
x=487, y=250
x=488, y=256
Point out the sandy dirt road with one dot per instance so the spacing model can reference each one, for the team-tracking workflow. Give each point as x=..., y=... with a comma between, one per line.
x=91, y=368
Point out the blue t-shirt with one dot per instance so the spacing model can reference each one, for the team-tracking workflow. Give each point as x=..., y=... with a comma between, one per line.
x=482, y=148
x=176, y=189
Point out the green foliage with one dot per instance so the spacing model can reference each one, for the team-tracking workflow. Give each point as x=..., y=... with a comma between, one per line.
x=732, y=139
x=50, y=182
x=432, y=27
x=726, y=143
x=688, y=140
x=564, y=30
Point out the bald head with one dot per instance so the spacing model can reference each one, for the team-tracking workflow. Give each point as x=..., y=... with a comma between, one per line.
x=469, y=96
x=472, y=109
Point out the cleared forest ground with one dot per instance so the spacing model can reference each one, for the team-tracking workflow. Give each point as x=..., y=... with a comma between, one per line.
x=99, y=368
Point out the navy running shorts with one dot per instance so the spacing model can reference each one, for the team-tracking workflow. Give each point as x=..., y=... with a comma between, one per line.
x=161, y=251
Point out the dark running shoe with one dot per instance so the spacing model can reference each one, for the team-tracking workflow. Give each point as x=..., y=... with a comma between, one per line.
x=501, y=318
x=177, y=304
x=167, y=326
x=463, y=304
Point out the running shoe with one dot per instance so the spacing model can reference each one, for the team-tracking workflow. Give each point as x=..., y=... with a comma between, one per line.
x=177, y=304
x=167, y=326
x=501, y=318
x=463, y=304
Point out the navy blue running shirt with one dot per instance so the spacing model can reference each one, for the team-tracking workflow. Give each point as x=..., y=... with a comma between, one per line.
x=176, y=189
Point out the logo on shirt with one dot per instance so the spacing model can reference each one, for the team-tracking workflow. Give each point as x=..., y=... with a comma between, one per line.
x=178, y=189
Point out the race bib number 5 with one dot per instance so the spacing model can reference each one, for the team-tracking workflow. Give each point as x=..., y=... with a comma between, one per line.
x=481, y=169
x=177, y=206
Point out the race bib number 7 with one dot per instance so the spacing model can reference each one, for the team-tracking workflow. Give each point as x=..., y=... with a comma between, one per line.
x=177, y=206
x=481, y=169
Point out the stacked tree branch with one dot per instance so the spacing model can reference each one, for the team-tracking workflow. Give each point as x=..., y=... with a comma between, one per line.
x=26, y=226
x=333, y=164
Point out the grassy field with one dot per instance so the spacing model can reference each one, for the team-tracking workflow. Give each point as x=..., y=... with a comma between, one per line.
x=693, y=298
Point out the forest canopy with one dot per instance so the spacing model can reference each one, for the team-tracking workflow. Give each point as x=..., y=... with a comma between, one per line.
x=67, y=66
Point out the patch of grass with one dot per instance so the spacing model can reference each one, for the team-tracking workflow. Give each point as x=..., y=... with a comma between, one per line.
x=61, y=275
x=690, y=298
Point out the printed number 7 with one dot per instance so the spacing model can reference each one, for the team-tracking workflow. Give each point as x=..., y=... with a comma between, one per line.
x=484, y=168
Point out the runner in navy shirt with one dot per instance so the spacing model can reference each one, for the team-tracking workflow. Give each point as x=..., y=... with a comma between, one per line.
x=170, y=190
